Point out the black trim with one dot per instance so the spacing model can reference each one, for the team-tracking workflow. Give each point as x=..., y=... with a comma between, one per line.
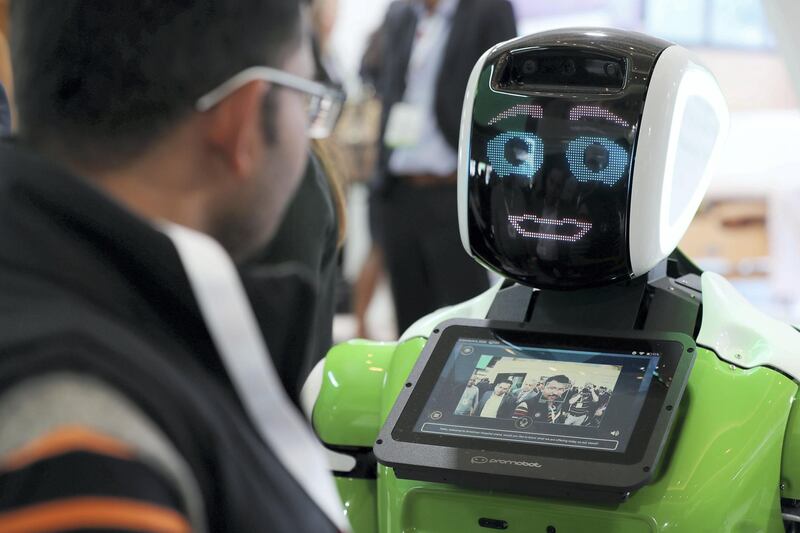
x=655, y=302
x=599, y=476
x=366, y=464
x=81, y=474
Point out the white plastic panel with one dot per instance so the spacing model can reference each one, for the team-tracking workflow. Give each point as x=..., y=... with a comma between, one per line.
x=684, y=124
x=310, y=391
x=464, y=150
x=464, y=146
x=743, y=335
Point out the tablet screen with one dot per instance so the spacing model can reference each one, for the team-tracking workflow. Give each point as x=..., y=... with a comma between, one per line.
x=497, y=390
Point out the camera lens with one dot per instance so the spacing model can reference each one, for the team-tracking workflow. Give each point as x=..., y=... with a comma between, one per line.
x=568, y=67
x=530, y=67
x=612, y=70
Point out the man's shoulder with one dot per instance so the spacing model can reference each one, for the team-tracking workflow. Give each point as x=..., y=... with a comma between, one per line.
x=55, y=423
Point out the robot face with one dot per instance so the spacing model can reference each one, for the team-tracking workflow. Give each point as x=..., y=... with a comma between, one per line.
x=550, y=193
x=548, y=181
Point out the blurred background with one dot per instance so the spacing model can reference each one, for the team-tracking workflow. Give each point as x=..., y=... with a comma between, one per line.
x=748, y=228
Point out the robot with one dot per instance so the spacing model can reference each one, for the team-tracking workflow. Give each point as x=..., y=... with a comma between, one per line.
x=606, y=383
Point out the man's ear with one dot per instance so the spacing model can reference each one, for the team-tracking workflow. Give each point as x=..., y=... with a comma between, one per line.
x=233, y=128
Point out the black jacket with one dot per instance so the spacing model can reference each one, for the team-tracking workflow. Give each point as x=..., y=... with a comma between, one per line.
x=5, y=112
x=87, y=287
x=300, y=269
x=477, y=25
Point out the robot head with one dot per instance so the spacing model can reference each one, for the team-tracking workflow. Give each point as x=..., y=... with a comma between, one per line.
x=584, y=155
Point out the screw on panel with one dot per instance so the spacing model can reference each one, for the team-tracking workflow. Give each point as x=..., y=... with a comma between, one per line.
x=783, y=486
x=733, y=367
x=738, y=356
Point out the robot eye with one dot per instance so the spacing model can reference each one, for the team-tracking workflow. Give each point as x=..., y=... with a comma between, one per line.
x=597, y=159
x=516, y=153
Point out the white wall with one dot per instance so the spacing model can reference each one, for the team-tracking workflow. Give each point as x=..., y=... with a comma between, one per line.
x=356, y=20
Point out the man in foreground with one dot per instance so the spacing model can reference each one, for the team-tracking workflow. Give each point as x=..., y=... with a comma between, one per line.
x=136, y=392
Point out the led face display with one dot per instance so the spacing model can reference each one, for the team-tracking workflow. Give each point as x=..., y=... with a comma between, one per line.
x=549, y=184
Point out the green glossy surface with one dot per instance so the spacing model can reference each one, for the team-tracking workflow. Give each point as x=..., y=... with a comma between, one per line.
x=790, y=467
x=351, y=393
x=359, y=497
x=405, y=356
x=722, y=469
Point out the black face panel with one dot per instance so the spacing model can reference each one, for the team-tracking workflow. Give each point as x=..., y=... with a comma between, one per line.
x=551, y=155
x=558, y=68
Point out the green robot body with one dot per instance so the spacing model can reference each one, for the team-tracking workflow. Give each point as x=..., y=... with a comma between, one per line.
x=723, y=471
x=583, y=156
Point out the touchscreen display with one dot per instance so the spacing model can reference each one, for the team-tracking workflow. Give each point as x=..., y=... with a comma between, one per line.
x=547, y=396
x=548, y=185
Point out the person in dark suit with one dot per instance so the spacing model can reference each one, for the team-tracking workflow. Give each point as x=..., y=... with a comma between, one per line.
x=5, y=113
x=483, y=386
x=422, y=80
x=497, y=403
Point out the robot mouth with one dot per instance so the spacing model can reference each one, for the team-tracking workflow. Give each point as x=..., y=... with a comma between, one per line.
x=564, y=230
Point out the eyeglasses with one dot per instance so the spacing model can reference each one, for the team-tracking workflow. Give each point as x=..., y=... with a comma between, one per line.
x=324, y=102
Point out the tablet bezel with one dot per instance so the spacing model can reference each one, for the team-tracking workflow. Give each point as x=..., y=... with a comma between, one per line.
x=452, y=459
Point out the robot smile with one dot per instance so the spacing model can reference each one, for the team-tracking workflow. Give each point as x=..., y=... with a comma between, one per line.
x=564, y=230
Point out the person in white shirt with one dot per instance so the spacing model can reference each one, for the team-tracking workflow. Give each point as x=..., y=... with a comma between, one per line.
x=469, y=399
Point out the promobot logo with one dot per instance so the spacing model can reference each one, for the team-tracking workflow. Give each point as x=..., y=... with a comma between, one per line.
x=481, y=460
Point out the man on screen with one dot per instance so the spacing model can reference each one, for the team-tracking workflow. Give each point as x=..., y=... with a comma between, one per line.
x=484, y=386
x=497, y=403
x=581, y=405
x=528, y=391
x=469, y=399
x=548, y=406
x=597, y=416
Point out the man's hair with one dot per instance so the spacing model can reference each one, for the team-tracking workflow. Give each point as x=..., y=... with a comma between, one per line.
x=561, y=378
x=104, y=80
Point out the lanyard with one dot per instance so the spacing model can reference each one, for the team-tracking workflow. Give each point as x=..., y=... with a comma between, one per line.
x=232, y=324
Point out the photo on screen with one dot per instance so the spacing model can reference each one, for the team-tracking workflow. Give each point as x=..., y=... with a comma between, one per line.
x=541, y=391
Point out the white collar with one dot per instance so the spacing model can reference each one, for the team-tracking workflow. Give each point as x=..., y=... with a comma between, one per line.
x=232, y=324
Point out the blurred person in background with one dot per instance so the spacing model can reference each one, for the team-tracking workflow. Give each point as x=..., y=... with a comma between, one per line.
x=6, y=81
x=5, y=113
x=372, y=270
x=294, y=280
x=421, y=83
x=159, y=141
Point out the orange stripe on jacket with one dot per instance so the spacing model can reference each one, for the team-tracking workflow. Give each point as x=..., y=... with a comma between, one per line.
x=93, y=513
x=64, y=440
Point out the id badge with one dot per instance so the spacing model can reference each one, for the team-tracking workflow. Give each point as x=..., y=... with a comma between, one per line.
x=404, y=127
